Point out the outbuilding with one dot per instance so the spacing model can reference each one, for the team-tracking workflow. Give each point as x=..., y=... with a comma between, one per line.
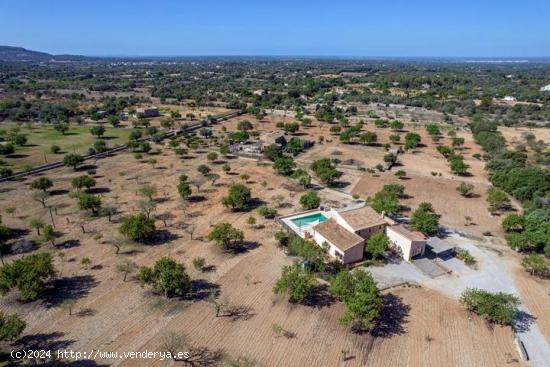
x=411, y=243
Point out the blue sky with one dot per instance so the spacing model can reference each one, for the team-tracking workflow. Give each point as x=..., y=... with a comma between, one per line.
x=487, y=28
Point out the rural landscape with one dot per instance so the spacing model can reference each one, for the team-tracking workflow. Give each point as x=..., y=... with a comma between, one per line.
x=247, y=211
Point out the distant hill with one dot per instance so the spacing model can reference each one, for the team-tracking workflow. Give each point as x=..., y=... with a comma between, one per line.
x=10, y=53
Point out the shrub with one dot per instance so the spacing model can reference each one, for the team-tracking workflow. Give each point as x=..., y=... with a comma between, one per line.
x=55, y=149
x=536, y=265
x=310, y=200
x=465, y=256
x=500, y=308
x=267, y=212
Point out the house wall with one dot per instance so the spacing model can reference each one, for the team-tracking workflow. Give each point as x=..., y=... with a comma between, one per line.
x=367, y=232
x=354, y=254
x=409, y=247
x=351, y=255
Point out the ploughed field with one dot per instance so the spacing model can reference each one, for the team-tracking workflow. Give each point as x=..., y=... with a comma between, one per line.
x=423, y=327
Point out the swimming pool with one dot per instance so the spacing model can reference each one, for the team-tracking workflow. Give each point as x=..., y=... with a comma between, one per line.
x=309, y=220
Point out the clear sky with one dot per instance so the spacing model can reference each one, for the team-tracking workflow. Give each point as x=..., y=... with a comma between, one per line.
x=489, y=28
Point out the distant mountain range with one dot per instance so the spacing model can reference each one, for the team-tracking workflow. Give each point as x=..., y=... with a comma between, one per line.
x=10, y=53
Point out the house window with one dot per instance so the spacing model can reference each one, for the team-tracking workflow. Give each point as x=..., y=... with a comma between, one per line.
x=338, y=255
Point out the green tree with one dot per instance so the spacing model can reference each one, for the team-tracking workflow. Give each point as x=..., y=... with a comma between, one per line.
x=424, y=219
x=28, y=275
x=237, y=198
x=412, y=140
x=42, y=183
x=148, y=191
x=310, y=200
x=167, y=277
x=89, y=202
x=11, y=326
x=61, y=127
x=212, y=156
x=377, y=244
x=126, y=267
x=225, y=235
x=325, y=169
x=138, y=227
x=83, y=181
x=385, y=202
x=203, y=169
x=37, y=224
x=360, y=295
x=72, y=160
x=458, y=166
x=500, y=308
x=368, y=137
x=244, y=125
x=296, y=282
x=97, y=131
x=284, y=165
x=184, y=189
x=396, y=125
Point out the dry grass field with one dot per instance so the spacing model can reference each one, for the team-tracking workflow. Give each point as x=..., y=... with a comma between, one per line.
x=424, y=328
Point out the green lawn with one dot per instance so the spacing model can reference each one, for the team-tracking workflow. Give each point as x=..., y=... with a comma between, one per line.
x=40, y=138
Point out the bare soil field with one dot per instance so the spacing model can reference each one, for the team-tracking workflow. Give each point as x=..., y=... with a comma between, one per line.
x=515, y=135
x=535, y=294
x=447, y=202
x=113, y=315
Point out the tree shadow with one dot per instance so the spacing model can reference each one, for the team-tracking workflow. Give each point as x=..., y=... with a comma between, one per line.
x=208, y=269
x=86, y=312
x=58, y=192
x=239, y=312
x=254, y=203
x=68, y=244
x=243, y=247
x=17, y=233
x=50, y=341
x=523, y=322
x=22, y=246
x=99, y=190
x=161, y=237
x=319, y=298
x=68, y=288
x=86, y=167
x=204, y=357
x=201, y=289
x=196, y=198
x=392, y=317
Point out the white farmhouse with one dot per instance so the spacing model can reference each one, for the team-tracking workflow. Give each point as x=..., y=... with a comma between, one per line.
x=410, y=243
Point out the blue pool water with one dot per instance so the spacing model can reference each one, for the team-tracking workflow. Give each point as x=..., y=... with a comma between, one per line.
x=309, y=219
